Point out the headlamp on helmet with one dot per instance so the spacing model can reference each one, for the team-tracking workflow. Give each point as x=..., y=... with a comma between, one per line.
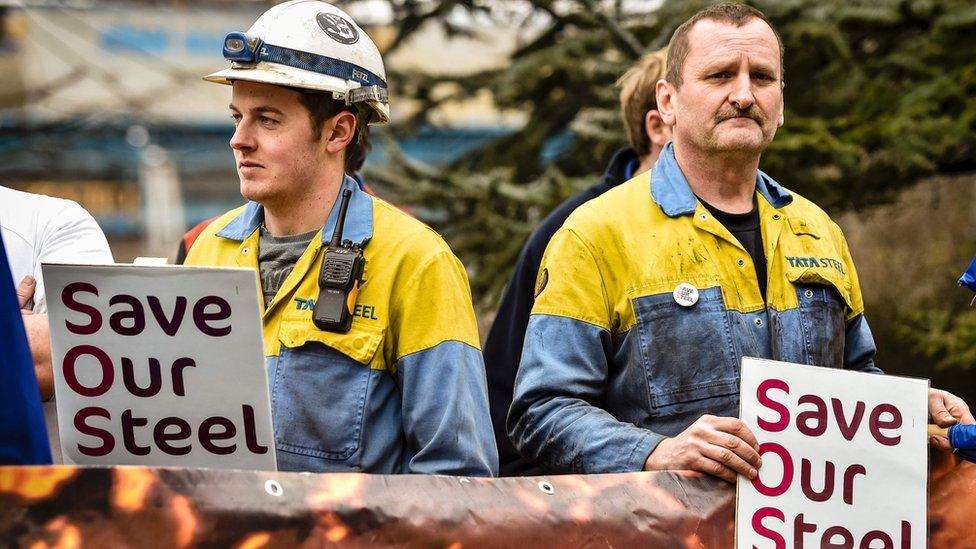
x=241, y=47
x=246, y=48
x=310, y=45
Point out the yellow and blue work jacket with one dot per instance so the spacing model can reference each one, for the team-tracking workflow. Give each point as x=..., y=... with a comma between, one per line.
x=404, y=390
x=615, y=360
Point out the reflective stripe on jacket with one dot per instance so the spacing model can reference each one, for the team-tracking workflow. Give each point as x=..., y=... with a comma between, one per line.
x=612, y=363
x=404, y=390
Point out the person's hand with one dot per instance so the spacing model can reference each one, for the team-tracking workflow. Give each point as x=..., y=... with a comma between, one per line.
x=945, y=410
x=25, y=292
x=720, y=446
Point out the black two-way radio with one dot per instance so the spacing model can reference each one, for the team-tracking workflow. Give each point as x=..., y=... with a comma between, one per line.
x=339, y=278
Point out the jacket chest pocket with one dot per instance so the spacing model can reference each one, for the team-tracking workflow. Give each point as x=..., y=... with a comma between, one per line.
x=823, y=304
x=320, y=388
x=687, y=353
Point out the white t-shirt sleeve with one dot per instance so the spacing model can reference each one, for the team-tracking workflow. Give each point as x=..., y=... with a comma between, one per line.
x=70, y=236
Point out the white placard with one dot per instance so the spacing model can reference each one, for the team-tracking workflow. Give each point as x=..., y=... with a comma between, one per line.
x=159, y=366
x=844, y=458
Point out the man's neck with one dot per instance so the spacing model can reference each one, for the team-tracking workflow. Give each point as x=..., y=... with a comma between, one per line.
x=304, y=214
x=727, y=182
x=646, y=163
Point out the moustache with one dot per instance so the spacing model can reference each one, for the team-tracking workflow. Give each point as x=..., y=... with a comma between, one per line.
x=750, y=112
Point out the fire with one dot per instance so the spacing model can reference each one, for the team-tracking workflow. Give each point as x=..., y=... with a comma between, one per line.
x=337, y=533
x=34, y=483
x=346, y=489
x=132, y=485
x=69, y=537
x=255, y=541
x=335, y=530
x=186, y=520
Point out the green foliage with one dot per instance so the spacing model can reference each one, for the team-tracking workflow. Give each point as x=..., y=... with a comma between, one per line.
x=909, y=255
x=878, y=94
x=485, y=209
x=948, y=339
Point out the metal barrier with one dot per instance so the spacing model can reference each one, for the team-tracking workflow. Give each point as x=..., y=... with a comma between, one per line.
x=65, y=506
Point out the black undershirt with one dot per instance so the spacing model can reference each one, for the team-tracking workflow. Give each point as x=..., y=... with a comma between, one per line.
x=745, y=228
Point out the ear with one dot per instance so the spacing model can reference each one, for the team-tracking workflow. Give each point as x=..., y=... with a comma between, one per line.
x=782, y=106
x=665, y=92
x=342, y=132
x=657, y=131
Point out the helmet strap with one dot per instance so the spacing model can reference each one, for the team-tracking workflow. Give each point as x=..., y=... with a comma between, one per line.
x=363, y=114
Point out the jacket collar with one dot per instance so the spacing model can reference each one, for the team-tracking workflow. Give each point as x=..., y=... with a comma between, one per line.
x=670, y=189
x=358, y=226
x=621, y=167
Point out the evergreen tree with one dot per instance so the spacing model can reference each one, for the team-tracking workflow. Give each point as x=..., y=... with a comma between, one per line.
x=879, y=93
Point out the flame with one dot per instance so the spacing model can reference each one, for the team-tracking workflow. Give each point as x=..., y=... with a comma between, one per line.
x=337, y=533
x=335, y=530
x=69, y=536
x=333, y=489
x=455, y=545
x=34, y=483
x=693, y=541
x=132, y=485
x=255, y=541
x=186, y=520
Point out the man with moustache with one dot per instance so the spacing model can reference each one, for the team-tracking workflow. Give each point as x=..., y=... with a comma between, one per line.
x=503, y=347
x=650, y=295
x=402, y=388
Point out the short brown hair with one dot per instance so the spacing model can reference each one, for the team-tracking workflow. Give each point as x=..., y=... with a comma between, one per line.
x=637, y=97
x=728, y=12
x=322, y=106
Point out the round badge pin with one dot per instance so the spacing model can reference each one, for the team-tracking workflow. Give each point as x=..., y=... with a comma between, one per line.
x=685, y=294
x=338, y=28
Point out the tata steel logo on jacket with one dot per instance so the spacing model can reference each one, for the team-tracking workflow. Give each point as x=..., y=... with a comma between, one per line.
x=823, y=262
x=338, y=28
x=361, y=310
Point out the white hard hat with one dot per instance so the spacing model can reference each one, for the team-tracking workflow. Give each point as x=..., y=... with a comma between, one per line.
x=312, y=45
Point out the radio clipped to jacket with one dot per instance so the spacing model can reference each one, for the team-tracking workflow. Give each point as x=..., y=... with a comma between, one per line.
x=339, y=278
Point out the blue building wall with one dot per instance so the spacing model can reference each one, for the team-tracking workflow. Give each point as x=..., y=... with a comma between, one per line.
x=79, y=158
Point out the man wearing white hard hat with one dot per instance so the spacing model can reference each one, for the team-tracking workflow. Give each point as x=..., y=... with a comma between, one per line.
x=369, y=332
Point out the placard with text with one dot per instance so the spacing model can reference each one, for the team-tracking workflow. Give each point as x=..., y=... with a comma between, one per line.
x=844, y=458
x=159, y=366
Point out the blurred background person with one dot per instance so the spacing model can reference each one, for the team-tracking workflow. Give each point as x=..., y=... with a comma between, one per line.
x=503, y=348
x=38, y=229
x=23, y=438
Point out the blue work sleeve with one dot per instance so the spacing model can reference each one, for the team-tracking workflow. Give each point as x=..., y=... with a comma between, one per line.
x=556, y=418
x=23, y=437
x=859, y=346
x=445, y=411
